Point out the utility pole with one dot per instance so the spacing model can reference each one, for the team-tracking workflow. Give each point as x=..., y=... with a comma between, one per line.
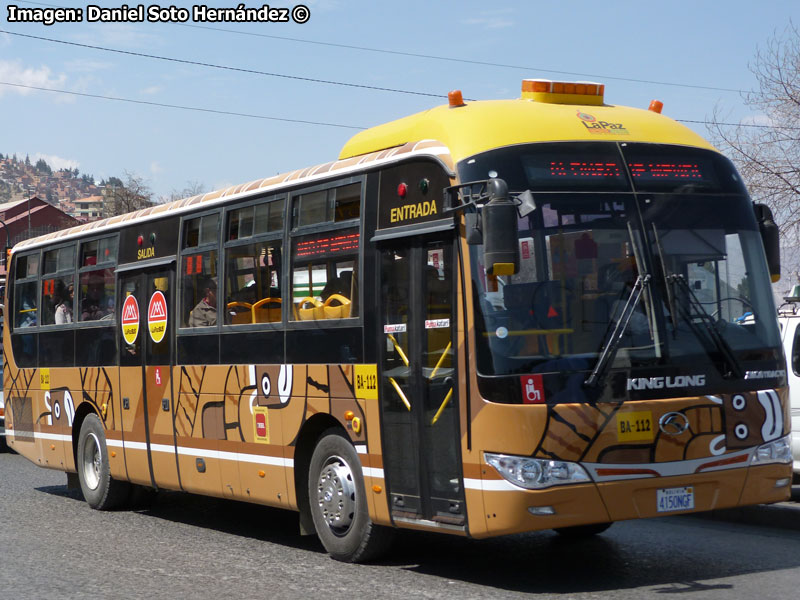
x=30, y=193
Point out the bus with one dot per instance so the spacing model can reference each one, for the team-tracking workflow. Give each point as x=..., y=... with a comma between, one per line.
x=488, y=318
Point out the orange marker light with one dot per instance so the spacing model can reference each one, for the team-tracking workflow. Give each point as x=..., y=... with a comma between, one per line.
x=262, y=474
x=455, y=99
x=377, y=489
x=656, y=106
x=348, y=416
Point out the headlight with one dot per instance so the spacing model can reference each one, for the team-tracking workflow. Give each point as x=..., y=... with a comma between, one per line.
x=779, y=451
x=536, y=473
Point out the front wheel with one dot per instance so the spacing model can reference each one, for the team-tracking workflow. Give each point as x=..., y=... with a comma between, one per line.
x=338, y=502
x=99, y=489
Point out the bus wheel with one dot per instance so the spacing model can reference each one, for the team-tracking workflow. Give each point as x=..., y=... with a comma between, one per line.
x=577, y=532
x=339, y=502
x=99, y=490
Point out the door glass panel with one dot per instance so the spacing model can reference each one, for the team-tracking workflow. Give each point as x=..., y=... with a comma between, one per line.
x=401, y=442
x=159, y=318
x=440, y=421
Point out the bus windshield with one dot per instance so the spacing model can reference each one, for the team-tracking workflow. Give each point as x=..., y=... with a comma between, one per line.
x=706, y=299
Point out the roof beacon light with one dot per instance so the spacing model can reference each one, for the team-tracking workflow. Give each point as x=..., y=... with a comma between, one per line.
x=455, y=99
x=656, y=106
x=563, y=92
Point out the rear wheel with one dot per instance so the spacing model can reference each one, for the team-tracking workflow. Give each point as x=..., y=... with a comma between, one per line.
x=99, y=489
x=582, y=531
x=338, y=502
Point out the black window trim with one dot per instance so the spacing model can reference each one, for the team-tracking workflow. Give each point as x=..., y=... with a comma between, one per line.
x=12, y=297
x=258, y=200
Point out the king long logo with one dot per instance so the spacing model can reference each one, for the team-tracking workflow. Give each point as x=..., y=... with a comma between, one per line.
x=592, y=125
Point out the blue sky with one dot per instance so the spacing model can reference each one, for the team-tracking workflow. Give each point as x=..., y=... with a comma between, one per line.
x=692, y=43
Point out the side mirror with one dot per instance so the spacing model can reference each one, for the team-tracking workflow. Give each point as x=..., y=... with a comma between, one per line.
x=500, y=243
x=770, y=238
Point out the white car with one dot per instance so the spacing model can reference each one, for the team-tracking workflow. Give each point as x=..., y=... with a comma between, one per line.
x=789, y=320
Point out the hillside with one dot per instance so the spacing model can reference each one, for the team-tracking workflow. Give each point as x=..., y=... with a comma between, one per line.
x=20, y=179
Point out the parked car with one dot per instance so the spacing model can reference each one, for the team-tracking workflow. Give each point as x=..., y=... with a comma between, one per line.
x=789, y=321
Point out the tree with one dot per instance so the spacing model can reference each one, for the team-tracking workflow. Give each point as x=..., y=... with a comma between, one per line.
x=768, y=155
x=192, y=188
x=134, y=194
x=43, y=167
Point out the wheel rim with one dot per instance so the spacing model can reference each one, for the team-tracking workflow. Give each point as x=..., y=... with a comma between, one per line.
x=336, y=494
x=92, y=462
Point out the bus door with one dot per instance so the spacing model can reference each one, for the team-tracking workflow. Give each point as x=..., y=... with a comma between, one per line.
x=146, y=314
x=421, y=449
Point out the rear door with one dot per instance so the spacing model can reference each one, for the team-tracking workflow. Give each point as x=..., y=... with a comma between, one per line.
x=146, y=313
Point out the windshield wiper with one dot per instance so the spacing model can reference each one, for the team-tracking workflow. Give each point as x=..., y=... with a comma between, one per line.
x=612, y=341
x=707, y=323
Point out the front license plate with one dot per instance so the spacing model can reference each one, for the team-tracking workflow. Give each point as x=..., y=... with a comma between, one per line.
x=675, y=499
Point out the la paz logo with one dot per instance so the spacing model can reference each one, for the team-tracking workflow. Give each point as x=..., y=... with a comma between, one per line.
x=157, y=316
x=130, y=319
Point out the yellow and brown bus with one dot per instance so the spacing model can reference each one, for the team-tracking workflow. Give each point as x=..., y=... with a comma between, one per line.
x=487, y=318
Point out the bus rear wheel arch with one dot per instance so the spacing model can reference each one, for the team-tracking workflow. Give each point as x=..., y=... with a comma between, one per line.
x=338, y=502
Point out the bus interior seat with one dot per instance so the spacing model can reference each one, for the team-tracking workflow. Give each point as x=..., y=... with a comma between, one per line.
x=267, y=310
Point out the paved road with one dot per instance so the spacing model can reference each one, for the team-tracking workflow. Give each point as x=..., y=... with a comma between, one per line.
x=52, y=545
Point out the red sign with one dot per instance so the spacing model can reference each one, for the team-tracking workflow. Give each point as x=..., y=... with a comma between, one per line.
x=532, y=389
x=157, y=316
x=261, y=425
x=130, y=319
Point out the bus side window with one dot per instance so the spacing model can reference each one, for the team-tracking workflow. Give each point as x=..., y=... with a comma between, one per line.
x=325, y=276
x=198, y=271
x=199, y=287
x=58, y=286
x=253, y=283
x=96, y=283
x=96, y=295
x=253, y=270
x=25, y=291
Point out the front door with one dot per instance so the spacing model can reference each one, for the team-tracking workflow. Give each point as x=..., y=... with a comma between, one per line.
x=146, y=316
x=419, y=402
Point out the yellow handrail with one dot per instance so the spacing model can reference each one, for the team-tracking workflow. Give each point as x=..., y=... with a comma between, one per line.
x=441, y=408
x=399, y=349
x=400, y=392
x=441, y=359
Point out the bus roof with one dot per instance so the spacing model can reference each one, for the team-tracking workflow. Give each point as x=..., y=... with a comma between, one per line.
x=477, y=126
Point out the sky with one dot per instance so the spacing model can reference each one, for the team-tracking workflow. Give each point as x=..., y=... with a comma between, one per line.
x=306, y=88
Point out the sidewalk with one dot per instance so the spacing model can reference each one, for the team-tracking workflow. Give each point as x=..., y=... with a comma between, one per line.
x=783, y=515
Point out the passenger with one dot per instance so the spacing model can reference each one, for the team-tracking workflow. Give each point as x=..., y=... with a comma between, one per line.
x=63, y=303
x=205, y=313
x=28, y=312
x=93, y=305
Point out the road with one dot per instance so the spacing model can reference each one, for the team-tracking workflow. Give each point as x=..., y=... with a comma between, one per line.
x=52, y=545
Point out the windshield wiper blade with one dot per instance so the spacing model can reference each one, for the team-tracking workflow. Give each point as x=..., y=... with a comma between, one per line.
x=612, y=342
x=708, y=326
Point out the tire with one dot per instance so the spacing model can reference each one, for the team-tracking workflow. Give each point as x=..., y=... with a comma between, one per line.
x=577, y=532
x=338, y=502
x=99, y=489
